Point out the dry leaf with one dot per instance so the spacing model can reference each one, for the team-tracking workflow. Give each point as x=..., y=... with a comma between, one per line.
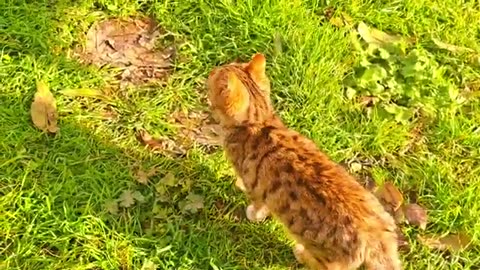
x=416, y=215
x=111, y=206
x=453, y=242
x=129, y=44
x=126, y=199
x=368, y=101
x=198, y=127
x=44, y=109
x=164, y=145
x=450, y=47
x=142, y=176
x=355, y=167
x=375, y=36
x=390, y=197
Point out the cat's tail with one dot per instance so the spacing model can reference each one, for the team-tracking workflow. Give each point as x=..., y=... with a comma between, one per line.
x=383, y=255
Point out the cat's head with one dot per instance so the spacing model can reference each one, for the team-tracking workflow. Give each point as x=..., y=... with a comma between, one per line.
x=240, y=92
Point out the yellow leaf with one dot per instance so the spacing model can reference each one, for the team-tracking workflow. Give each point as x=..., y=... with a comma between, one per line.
x=375, y=36
x=44, y=109
x=453, y=242
x=450, y=47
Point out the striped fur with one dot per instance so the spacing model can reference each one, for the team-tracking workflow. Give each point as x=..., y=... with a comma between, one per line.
x=336, y=223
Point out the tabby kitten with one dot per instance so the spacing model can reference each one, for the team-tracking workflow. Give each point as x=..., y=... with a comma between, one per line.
x=335, y=222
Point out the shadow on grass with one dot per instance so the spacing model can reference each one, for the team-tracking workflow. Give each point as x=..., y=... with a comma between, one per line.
x=54, y=188
x=54, y=191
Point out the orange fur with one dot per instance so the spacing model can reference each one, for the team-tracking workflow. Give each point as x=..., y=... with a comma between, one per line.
x=336, y=223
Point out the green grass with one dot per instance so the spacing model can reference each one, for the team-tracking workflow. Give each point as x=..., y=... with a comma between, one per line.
x=54, y=189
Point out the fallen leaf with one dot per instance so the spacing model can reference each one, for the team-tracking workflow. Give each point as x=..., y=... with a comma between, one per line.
x=390, y=197
x=111, y=206
x=375, y=36
x=416, y=215
x=44, y=109
x=355, y=167
x=142, y=176
x=129, y=44
x=453, y=242
x=164, y=145
x=451, y=47
x=368, y=101
x=126, y=199
x=192, y=203
x=198, y=127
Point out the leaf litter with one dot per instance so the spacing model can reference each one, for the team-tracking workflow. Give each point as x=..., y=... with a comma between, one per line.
x=129, y=44
x=142, y=176
x=452, y=242
x=44, y=109
x=194, y=128
x=374, y=36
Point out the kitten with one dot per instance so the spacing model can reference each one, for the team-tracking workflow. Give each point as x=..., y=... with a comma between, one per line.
x=335, y=222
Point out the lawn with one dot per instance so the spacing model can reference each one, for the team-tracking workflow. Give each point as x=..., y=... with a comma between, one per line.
x=59, y=194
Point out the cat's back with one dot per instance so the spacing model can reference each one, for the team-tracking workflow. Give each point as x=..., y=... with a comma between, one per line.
x=312, y=195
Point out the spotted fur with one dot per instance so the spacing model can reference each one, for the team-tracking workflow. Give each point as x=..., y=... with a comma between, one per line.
x=336, y=223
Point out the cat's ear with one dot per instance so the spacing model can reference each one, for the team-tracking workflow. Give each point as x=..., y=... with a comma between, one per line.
x=256, y=70
x=238, y=98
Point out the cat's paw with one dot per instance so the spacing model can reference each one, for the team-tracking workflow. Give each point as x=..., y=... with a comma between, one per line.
x=257, y=215
x=299, y=252
x=240, y=185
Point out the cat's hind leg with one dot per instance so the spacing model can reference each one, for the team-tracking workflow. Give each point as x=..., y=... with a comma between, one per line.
x=257, y=212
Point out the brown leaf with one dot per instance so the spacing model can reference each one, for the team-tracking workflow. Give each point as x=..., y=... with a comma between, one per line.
x=198, y=127
x=416, y=215
x=142, y=176
x=368, y=101
x=126, y=199
x=375, y=36
x=453, y=242
x=163, y=145
x=390, y=197
x=129, y=44
x=355, y=167
x=44, y=109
